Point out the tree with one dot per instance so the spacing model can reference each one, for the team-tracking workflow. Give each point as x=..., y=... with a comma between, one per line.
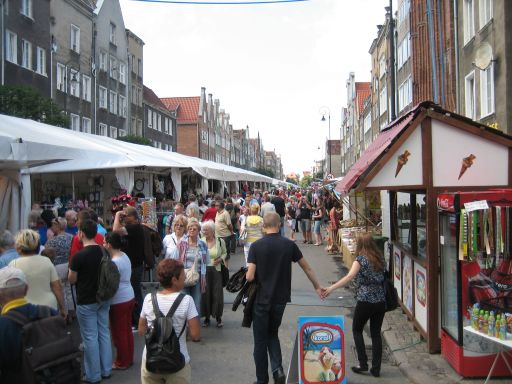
x=23, y=101
x=306, y=180
x=136, y=140
x=265, y=172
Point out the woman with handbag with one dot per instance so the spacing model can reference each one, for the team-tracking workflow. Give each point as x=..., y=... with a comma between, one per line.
x=212, y=301
x=252, y=229
x=368, y=271
x=193, y=253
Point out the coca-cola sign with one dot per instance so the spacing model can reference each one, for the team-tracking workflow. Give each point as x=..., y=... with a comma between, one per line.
x=446, y=203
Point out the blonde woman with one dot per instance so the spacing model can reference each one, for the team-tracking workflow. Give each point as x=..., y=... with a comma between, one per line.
x=212, y=301
x=171, y=240
x=253, y=227
x=368, y=270
x=42, y=278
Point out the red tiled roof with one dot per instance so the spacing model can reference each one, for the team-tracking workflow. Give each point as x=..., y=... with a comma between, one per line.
x=363, y=91
x=151, y=98
x=187, y=107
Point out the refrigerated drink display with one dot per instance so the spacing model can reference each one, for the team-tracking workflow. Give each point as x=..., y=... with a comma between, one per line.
x=476, y=277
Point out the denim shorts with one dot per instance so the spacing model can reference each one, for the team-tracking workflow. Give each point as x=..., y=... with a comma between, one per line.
x=305, y=225
x=316, y=226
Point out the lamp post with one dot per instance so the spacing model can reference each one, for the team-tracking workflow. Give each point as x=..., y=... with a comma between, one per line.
x=323, y=112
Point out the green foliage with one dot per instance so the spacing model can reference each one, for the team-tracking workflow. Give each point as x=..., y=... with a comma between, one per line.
x=305, y=181
x=25, y=102
x=319, y=175
x=264, y=172
x=136, y=140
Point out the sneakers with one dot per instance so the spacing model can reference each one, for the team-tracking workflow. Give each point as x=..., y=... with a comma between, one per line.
x=279, y=376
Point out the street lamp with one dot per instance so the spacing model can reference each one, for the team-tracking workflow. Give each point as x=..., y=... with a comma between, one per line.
x=323, y=112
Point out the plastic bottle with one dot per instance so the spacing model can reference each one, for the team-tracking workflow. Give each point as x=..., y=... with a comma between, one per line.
x=492, y=325
x=485, y=328
x=497, y=326
x=481, y=321
x=503, y=330
x=474, y=316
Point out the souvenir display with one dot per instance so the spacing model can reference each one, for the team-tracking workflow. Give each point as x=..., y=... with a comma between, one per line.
x=146, y=207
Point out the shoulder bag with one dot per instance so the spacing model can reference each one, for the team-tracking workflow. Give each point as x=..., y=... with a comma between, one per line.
x=191, y=274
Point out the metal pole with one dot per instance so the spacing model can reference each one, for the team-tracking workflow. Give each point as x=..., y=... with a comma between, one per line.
x=329, y=144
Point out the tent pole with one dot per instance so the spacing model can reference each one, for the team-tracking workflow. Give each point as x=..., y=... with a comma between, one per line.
x=73, y=185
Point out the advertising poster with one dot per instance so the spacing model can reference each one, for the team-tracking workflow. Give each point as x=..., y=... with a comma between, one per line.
x=397, y=266
x=321, y=352
x=420, y=307
x=407, y=283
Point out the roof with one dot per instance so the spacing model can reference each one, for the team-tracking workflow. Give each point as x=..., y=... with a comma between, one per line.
x=363, y=91
x=187, y=108
x=151, y=98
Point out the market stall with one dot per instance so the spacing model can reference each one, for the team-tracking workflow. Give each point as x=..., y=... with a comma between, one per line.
x=416, y=158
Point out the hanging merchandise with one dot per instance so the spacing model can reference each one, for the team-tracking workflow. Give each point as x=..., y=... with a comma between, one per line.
x=146, y=207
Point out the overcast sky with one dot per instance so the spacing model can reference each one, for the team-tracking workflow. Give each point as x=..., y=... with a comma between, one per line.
x=272, y=66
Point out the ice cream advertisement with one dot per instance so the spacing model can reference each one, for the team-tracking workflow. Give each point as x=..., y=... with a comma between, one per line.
x=321, y=352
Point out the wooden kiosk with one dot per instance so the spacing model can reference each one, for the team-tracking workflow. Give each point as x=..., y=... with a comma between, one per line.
x=418, y=156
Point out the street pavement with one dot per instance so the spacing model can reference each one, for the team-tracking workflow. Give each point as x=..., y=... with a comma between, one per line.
x=224, y=356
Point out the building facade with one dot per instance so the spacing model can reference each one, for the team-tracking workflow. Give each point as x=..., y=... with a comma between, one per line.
x=159, y=122
x=135, y=83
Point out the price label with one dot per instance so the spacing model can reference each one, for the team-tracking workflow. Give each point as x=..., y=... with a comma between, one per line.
x=476, y=205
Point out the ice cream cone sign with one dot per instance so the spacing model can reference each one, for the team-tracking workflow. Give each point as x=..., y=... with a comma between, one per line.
x=401, y=161
x=467, y=162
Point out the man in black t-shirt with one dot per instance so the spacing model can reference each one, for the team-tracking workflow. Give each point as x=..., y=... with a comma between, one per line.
x=270, y=265
x=134, y=249
x=92, y=316
x=280, y=206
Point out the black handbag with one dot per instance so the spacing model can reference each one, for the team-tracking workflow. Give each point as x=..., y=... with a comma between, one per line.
x=390, y=293
x=225, y=274
x=237, y=280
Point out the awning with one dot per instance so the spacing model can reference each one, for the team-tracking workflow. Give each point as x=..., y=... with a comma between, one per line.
x=379, y=146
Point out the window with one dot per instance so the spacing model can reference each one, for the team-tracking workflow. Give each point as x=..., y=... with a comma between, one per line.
x=26, y=8
x=485, y=12
x=487, y=91
x=86, y=88
x=74, y=83
x=75, y=39
x=123, y=110
x=122, y=132
x=11, y=47
x=102, y=97
x=26, y=54
x=139, y=67
x=113, y=67
x=139, y=127
x=122, y=73
x=404, y=50
x=103, y=61
x=134, y=95
x=113, y=132
x=167, y=126
x=102, y=129
x=403, y=10
x=383, y=100
x=112, y=106
x=74, y=121
x=405, y=94
x=41, y=61
x=139, y=97
x=86, y=125
x=150, y=118
x=382, y=66
x=113, y=33
x=155, y=120
x=469, y=20
x=61, y=77
x=367, y=122
x=469, y=95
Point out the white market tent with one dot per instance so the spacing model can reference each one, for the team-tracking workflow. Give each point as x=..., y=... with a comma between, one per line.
x=29, y=147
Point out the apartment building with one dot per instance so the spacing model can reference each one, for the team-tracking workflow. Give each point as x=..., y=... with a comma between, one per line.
x=159, y=122
x=135, y=83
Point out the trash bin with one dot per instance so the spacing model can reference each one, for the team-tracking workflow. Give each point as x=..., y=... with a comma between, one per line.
x=381, y=241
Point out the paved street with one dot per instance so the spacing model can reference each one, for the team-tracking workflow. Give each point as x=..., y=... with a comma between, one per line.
x=225, y=355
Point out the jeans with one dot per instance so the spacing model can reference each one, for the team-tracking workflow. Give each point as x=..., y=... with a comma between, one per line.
x=135, y=280
x=281, y=229
x=266, y=321
x=93, y=321
x=195, y=292
x=375, y=313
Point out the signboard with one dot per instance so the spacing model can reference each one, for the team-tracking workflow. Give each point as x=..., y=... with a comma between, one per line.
x=321, y=349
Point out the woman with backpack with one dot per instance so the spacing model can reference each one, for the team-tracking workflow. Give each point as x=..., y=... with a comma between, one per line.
x=171, y=276
x=212, y=301
x=122, y=304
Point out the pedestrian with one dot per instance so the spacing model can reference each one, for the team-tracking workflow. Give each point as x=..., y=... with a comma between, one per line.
x=121, y=306
x=270, y=265
x=41, y=275
x=368, y=271
x=71, y=222
x=127, y=222
x=253, y=228
x=224, y=228
x=335, y=217
x=305, y=219
x=267, y=206
x=92, y=315
x=212, y=300
x=76, y=244
x=193, y=252
x=317, y=218
x=171, y=276
x=291, y=216
x=171, y=240
x=280, y=206
x=179, y=209
x=210, y=212
x=7, y=249
x=13, y=290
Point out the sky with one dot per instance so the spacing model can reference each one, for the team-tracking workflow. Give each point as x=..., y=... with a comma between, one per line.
x=273, y=67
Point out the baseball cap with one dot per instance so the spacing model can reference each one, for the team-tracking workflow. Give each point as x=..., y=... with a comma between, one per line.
x=11, y=277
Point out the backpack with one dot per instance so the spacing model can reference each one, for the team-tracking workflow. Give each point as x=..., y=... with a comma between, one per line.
x=50, y=350
x=108, y=278
x=163, y=353
x=153, y=246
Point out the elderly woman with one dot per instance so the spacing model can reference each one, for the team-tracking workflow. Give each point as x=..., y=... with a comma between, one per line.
x=42, y=278
x=193, y=253
x=212, y=301
x=253, y=226
x=171, y=276
x=171, y=240
x=61, y=243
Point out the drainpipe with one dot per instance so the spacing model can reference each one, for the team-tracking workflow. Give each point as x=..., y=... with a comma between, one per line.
x=3, y=41
x=441, y=52
x=456, y=48
x=433, y=57
x=392, y=62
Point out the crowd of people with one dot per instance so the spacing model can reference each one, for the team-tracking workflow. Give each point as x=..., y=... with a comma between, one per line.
x=58, y=259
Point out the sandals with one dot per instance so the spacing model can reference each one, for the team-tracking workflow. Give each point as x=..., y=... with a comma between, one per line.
x=220, y=324
x=206, y=323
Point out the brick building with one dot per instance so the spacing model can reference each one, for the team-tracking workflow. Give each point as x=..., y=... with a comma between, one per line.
x=159, y=122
